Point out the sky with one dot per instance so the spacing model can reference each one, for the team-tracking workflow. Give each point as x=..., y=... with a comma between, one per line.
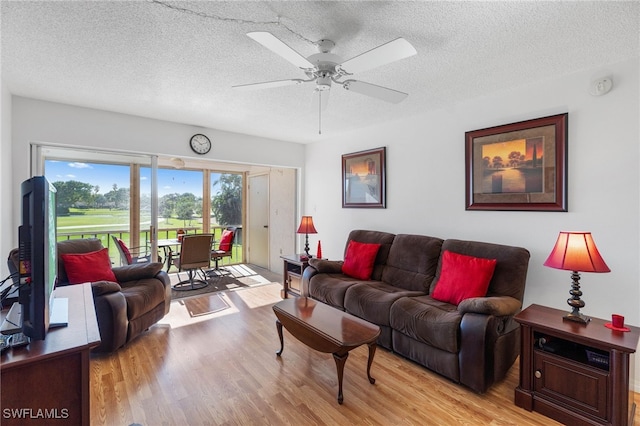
x=170, y=181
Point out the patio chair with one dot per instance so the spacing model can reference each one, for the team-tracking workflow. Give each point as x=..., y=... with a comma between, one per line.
x=194, y=255
x=126, y=253
x=225, y=247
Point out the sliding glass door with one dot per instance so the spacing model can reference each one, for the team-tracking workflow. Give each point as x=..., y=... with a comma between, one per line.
x=103, y=195
x=112, y=196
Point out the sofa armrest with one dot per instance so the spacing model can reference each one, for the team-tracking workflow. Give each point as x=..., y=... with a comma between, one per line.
x=136, y=271
x=99, y=288
x=324, y=266
x=163, y=277
x=488, y=343
x=111, y=313
x=498, y=306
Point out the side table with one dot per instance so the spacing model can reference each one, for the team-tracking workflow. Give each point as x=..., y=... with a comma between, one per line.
x=574, y=373
x=292, y=275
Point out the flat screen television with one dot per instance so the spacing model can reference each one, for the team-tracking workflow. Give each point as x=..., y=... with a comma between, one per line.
x=38, y=261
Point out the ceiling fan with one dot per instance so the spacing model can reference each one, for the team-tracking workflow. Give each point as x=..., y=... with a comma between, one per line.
x=325, y=68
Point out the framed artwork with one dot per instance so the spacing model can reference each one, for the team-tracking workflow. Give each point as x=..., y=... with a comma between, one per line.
x=363, y=179
x=518, y=166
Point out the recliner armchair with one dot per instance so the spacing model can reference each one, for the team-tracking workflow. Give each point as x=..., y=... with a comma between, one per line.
x=124, y=309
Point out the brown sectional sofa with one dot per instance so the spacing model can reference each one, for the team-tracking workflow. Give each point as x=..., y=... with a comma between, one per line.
x=473, y=343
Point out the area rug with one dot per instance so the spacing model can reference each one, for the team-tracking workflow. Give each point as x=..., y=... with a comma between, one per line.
x=198, y=306
x=231, y=278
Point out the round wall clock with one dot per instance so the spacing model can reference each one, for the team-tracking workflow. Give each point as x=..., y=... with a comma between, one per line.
x=200, y=144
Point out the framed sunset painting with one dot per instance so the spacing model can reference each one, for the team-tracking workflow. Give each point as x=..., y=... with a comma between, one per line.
x=518, y=166
x=364, y=179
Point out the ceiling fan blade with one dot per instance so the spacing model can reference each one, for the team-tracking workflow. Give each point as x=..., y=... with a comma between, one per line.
x=320, y=97
x=276, y=45
x=269, y=84
x=385, y=54
x=372, y=90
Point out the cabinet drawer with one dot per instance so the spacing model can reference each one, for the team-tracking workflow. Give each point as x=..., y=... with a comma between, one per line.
x=571, y=383
x=295, y=282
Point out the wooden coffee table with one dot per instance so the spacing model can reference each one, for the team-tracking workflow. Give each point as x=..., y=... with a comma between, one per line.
x=326, y=330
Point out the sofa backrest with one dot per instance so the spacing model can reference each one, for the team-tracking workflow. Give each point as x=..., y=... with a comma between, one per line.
x=85, y=245
x=385, y=240
x=412, y=262
x=510, y=275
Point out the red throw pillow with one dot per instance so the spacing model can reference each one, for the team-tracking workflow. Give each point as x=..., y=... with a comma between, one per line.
x=225, y=240
x=126, y=251
x=463, y=277
x=359, y=260
x=88, y=267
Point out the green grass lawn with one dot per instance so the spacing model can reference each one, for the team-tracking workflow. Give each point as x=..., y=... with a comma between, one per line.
x=91, y=218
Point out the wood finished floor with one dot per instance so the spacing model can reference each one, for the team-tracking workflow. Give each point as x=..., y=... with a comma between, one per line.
x=221, y=369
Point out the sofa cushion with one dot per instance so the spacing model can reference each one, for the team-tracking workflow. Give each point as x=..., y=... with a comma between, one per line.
x=359, y=260
x=385, y=240
x=510, y=275
x=330, y=288
x=142, y=296
x=428, y=321
x=463, y=277
x=412, y=262
x=88, y=267
x=372, y=300
x=225, y=240
x=84, y=245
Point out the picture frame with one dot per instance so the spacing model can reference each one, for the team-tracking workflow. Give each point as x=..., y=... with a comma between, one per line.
x=364, y=179
x=519, y=166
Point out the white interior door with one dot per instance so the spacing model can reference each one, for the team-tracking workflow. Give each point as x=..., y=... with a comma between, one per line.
x=258, y=245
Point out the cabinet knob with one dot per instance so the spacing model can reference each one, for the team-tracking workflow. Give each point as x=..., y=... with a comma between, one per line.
x=538, y=374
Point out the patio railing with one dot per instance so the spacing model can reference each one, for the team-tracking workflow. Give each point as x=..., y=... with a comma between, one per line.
x=145, y=240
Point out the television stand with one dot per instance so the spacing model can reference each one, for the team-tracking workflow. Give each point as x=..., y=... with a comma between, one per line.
x=30, y=377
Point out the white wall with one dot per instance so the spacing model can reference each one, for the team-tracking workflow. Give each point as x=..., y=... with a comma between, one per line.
x=6, y=210
x=40, y=121
x=426, y=186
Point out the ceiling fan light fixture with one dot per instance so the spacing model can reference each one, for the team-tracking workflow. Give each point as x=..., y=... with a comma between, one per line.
x=323, y=83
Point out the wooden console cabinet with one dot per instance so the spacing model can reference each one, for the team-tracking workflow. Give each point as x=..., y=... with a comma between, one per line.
x=47, y=381
x=292, y=275
x=575, y=374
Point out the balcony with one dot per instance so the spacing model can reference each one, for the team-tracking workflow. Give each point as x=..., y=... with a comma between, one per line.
x=145, y=241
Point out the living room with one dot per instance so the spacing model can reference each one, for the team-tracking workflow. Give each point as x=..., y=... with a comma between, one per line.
x=425, y=167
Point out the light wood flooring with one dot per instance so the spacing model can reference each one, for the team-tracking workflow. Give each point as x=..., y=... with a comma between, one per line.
x=221, y=369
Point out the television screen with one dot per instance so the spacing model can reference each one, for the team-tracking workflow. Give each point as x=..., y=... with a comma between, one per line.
x=38, y=255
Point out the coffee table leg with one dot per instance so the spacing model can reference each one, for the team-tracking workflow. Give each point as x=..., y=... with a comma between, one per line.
x=372, y=352
x=340, y=362
x=279, y=327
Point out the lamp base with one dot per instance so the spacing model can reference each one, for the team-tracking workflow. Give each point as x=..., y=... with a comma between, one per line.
x=577, y=317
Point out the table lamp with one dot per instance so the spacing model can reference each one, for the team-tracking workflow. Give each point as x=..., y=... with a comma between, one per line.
x=306, y=227
x=576, y=252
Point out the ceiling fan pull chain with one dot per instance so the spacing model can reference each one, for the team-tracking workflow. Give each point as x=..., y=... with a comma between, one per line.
x=320, y=112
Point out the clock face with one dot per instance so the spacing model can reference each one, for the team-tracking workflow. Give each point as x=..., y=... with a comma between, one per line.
x=200, y=144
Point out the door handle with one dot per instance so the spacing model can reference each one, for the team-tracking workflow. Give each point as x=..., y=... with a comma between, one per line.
x=265, y=226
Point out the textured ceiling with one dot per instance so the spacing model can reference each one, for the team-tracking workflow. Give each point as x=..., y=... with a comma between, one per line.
x=146, y=59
